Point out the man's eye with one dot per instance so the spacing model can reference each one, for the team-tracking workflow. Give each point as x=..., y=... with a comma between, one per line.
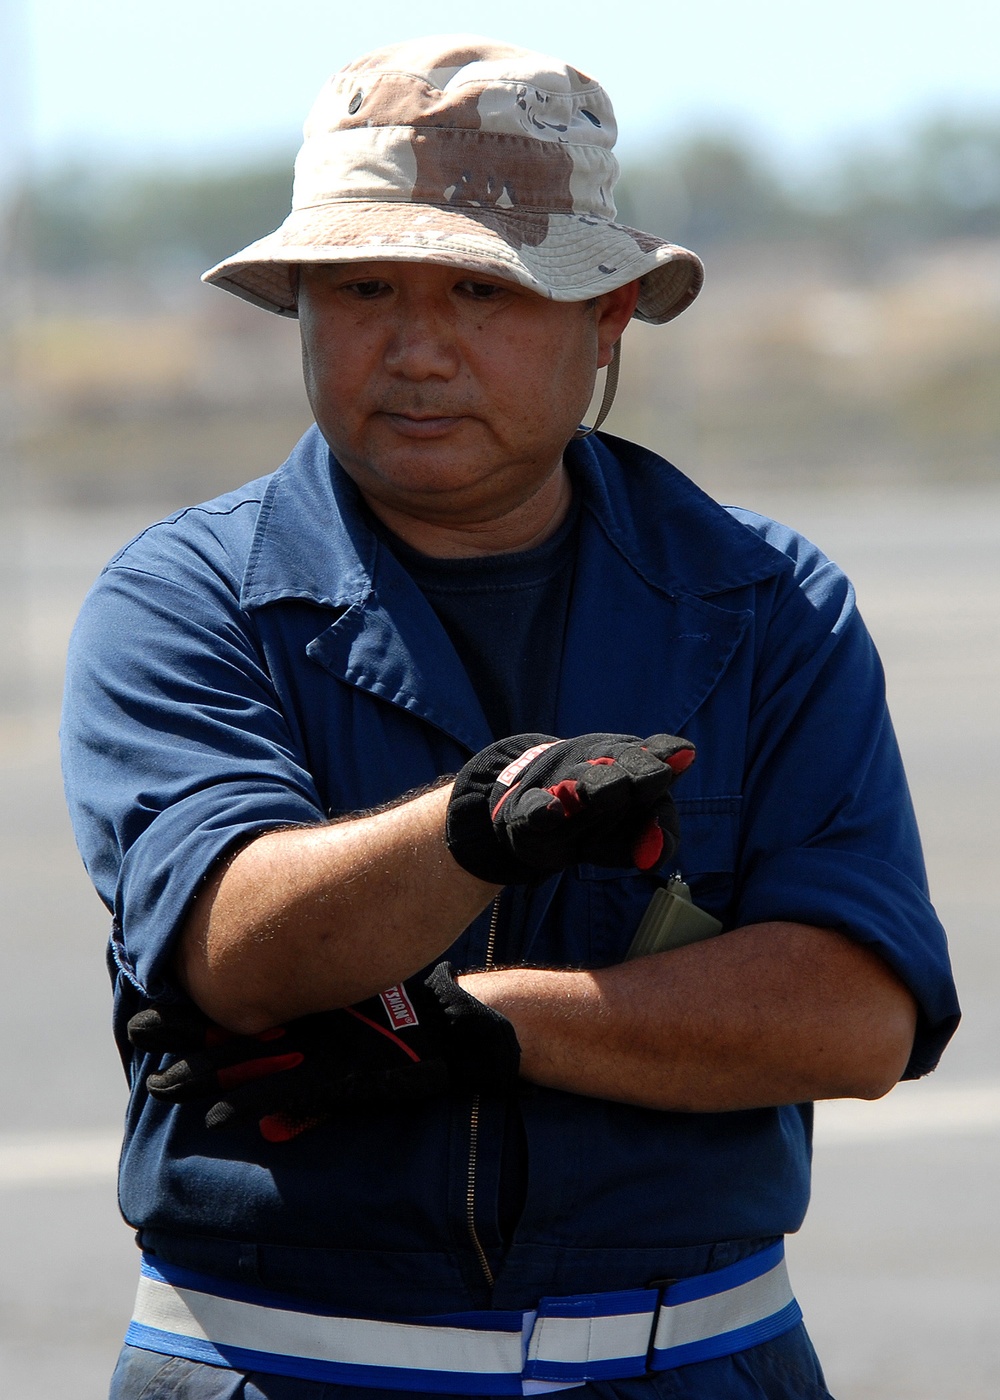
x=480, y=291
x=367, y=290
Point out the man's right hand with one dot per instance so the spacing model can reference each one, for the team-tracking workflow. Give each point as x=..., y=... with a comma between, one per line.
x=532, y=804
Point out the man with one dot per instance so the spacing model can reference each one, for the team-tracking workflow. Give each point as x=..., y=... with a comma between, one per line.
x=414, y=1120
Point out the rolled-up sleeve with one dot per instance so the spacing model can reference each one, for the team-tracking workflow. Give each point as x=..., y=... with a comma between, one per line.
x=175, y=750
x=829, y=836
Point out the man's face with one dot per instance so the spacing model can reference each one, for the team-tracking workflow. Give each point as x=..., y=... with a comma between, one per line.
x=448, y=396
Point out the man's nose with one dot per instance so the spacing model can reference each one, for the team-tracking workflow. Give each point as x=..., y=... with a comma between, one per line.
x=423, y=345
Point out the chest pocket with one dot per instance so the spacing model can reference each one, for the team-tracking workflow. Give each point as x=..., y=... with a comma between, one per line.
x=706, y=857
x=605, y=906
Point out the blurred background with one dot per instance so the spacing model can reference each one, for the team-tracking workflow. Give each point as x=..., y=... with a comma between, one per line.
x=838, y=168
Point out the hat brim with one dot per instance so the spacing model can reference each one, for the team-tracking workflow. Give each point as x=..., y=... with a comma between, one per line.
x=564, y=256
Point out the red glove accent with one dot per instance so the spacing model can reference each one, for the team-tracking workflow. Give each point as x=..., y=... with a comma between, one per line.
x=530, y=805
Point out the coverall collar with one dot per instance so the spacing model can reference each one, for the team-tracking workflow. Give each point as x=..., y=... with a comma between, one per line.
x=313, y=542
x=651, y=545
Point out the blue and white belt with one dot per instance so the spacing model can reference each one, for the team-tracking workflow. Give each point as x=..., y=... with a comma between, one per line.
x=563, y=1342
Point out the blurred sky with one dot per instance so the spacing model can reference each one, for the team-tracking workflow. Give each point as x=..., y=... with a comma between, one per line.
x=196, y=78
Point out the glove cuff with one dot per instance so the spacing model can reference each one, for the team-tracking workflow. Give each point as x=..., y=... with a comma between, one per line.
x=469, y=830
x=484, y=1052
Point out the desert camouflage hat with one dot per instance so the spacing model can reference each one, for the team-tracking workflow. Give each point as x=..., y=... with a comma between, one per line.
x=460, y=150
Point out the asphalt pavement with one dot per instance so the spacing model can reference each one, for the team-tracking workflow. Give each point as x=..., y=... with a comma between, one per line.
x=898, y=1265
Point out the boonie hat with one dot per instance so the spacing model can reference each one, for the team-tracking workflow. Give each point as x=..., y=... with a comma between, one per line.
x=461, y=150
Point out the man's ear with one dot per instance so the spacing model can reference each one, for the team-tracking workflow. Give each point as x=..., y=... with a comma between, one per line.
x=614, y=311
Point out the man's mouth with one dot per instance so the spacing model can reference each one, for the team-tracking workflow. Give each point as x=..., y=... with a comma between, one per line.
x=422, y=423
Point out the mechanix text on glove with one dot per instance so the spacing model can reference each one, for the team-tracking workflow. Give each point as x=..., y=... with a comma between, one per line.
x=416, y=1040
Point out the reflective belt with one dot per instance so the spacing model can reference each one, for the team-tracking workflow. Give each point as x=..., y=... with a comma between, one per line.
x=563, y=1342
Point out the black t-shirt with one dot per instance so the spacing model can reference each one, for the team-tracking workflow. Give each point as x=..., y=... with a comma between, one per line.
x=506, y=617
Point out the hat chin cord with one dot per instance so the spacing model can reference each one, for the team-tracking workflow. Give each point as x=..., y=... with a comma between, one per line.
x=610, y=389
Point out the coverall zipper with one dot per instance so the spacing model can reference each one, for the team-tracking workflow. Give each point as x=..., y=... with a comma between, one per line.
x=470, y=1185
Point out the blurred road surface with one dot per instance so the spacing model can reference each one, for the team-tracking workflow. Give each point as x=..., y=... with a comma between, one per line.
x=898, y=1266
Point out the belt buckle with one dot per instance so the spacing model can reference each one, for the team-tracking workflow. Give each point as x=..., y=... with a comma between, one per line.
x=662, y=1287
x=592, y=1336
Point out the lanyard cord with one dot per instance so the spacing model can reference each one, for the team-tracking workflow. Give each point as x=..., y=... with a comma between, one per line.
x=610, y=389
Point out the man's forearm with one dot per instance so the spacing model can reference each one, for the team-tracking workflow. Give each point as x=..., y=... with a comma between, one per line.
x=309, y=919
x=769, y=1014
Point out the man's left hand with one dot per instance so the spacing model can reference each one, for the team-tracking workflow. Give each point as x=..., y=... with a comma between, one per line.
x=415, y=1040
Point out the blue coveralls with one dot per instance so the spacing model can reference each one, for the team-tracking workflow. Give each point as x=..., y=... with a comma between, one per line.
x=264, y=661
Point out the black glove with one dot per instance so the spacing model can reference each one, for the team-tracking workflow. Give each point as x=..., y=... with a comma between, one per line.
x=414, y=1041
x=530, y=805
